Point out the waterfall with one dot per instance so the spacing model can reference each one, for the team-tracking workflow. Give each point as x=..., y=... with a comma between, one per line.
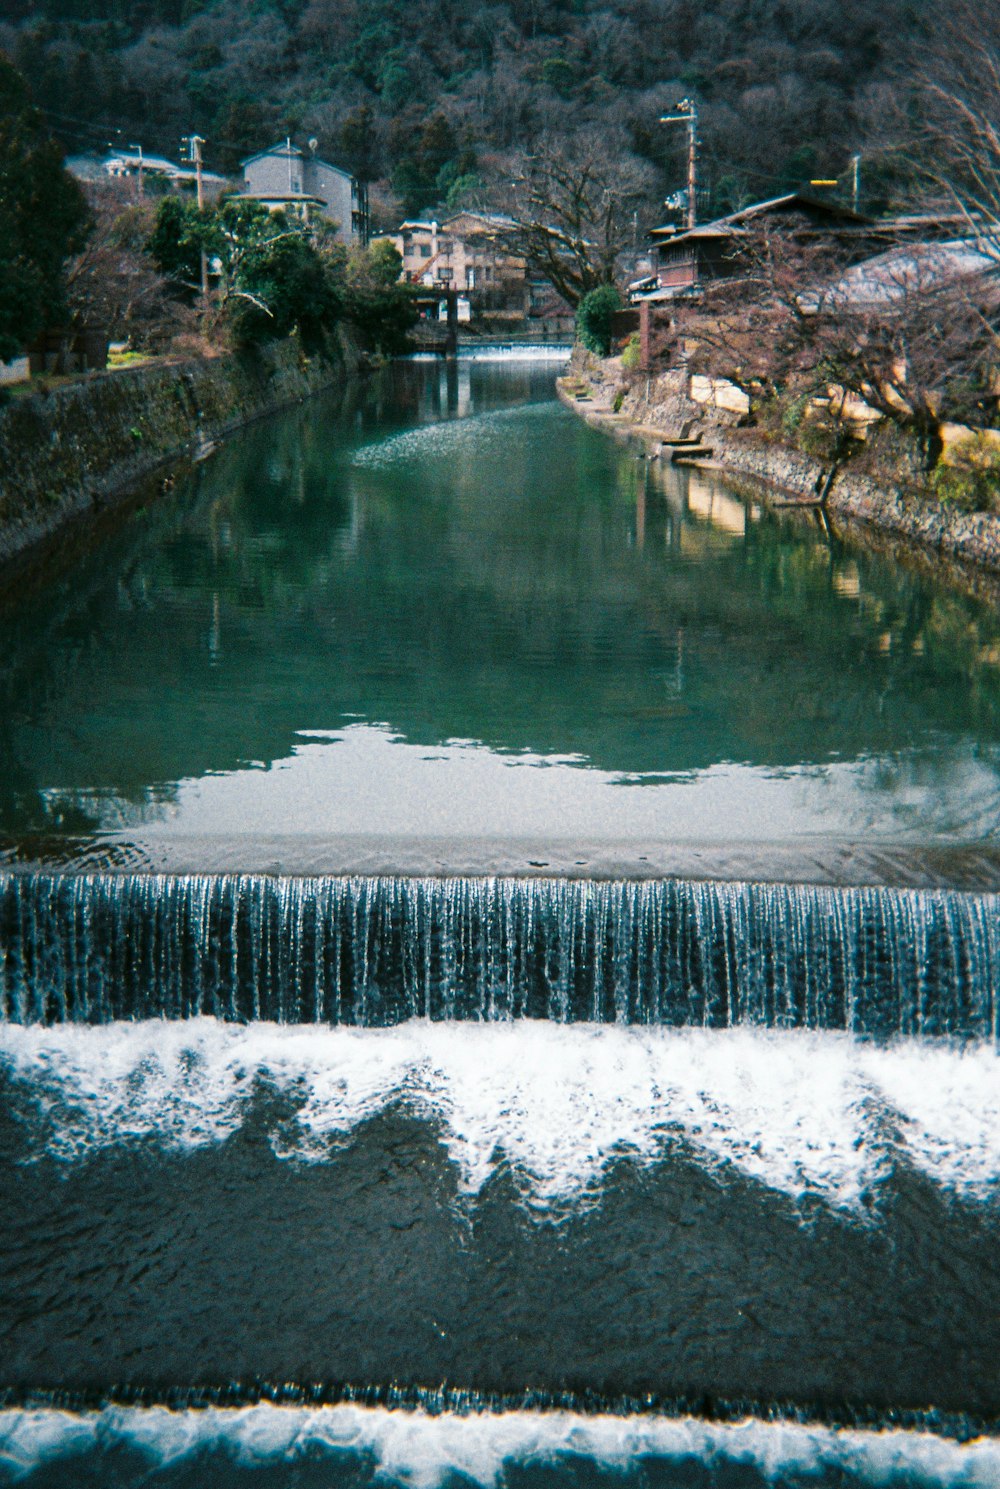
x=514, y=351
x=377, y=951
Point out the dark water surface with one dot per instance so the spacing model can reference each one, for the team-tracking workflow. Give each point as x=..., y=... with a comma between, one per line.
x=436, y=1178
x=439, y=610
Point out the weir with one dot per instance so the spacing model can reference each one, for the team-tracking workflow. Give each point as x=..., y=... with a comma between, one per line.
x=378, y=951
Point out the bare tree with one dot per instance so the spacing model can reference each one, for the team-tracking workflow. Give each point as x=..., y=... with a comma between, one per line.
x=757, y=327
x=922, y=355
x=575, y=207
x=912, y=334
x=114, y=283
x=958, y=81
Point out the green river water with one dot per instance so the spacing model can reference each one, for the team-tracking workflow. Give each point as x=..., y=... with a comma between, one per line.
x=436, y=621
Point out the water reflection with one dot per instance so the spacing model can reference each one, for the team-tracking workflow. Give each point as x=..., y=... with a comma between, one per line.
x=439, y=602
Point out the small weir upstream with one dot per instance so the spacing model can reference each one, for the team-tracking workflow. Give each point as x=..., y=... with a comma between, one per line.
x=377, y=951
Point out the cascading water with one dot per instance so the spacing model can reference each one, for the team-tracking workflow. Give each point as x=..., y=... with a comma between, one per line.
x=503, y=1181
x=513, y=351
x=378, y=951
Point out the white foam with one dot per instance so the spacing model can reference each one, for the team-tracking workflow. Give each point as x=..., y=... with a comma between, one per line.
x=802, y=1112
x=444, y=439
x=420, y=1451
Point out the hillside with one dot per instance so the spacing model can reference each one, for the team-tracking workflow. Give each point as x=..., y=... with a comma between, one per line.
x=423, y=94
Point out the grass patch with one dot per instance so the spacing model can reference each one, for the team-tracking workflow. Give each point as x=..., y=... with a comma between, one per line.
x=118, y=360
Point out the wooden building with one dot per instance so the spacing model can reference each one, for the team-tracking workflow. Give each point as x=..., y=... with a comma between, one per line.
x=686, y=259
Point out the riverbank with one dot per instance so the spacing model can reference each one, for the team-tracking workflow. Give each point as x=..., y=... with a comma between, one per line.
x=656, y=409
x=85, y=446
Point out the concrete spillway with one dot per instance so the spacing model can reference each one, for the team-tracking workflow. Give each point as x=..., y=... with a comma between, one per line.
x=378, y=951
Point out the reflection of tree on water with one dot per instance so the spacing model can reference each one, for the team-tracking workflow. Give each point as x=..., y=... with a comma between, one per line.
x=503, y=597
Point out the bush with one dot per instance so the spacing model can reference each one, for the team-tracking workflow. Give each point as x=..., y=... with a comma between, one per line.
x=594, y=316
x=632, y=354
x=382, y=318
x=793, y=414
x=971, y=479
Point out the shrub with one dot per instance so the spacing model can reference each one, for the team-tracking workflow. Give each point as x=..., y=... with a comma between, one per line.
x=793, y=414
x=971, y=479
x=594, y=316
x=633, y=352
x=382, y=318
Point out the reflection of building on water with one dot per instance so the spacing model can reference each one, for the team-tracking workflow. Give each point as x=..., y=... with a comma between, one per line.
x=658, y=501
x=707, y=500
x=847, y=580
x=456, y=387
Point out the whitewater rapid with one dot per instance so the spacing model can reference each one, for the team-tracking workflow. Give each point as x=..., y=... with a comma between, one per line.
x=418, y=1450
x=801, y=1112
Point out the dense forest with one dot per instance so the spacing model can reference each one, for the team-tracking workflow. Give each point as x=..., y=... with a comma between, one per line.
x=431, y=97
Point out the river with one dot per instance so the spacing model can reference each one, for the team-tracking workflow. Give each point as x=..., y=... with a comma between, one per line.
x=499, y=972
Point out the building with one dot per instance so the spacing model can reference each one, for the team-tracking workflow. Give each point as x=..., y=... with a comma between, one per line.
x=284, y=177
x=466, y=252
x=685, y=259
x=154, y=173
x=910, y=269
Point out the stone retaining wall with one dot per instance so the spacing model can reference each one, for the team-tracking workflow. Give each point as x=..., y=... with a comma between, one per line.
x=82, y=446
x=661, y=403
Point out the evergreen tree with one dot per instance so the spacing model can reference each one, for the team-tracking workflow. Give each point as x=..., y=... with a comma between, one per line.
x=43, y=219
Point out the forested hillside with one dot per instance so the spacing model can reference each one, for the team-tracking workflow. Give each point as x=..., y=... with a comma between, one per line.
x=427, y=93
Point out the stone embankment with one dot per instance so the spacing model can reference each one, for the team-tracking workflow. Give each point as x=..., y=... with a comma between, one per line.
x=81, y=447
x=656, y=408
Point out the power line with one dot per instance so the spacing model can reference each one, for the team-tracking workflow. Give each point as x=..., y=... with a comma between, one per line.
x=74, y=119
x=109, y=136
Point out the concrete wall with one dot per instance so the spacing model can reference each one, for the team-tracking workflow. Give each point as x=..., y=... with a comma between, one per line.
x=272, y=175
x=970, y=536
x=79, y=448
x=335, y=189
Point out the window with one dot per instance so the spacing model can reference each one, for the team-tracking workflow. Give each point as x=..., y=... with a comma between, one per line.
x=425, y=250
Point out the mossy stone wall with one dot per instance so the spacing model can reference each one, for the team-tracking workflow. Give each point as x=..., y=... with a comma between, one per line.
x=81, y=446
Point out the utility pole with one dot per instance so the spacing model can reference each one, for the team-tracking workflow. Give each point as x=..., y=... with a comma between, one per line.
x=193, y=144
x=855, y=181
x=138, y=151
x=687, y=113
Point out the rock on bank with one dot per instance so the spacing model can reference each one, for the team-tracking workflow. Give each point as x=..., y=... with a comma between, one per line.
x=77, y=448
